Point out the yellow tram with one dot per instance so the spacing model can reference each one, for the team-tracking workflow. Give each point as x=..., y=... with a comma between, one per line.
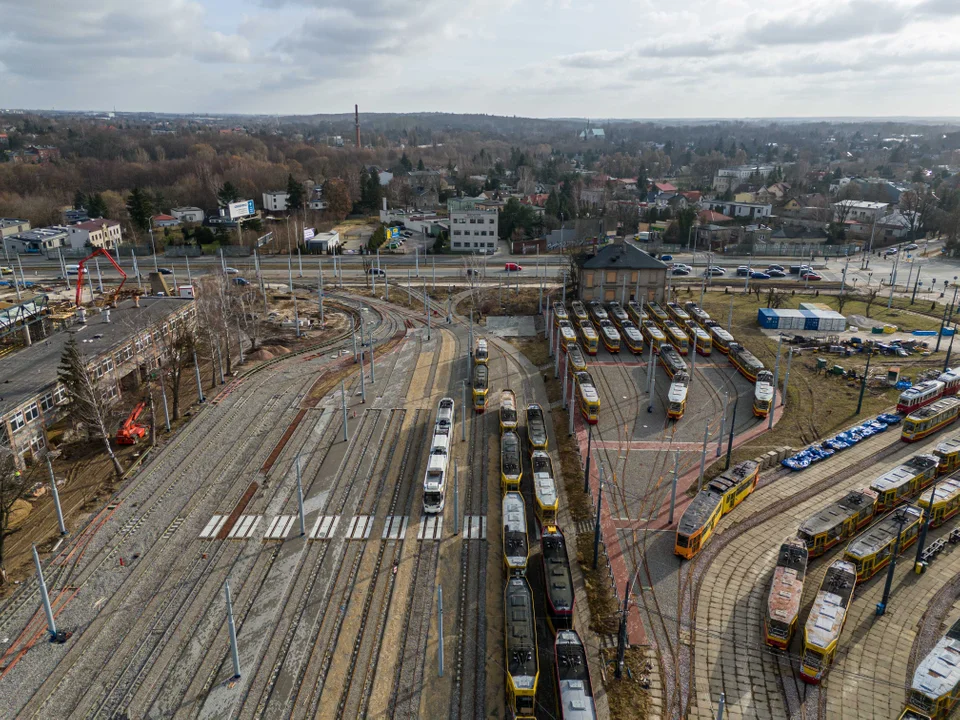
x=871, y=551
x=511, y=464
x=575, y=357
x=837, y=521
x=821, y=633
x=546, y=498
x=676, y=336
x=904, y=481
x=632, y=337
x=636, y=312
x=481, y=355
x=721, y=339
x=559, y=312
x=480, y=387
x=948, y=453
x=935, y=688
x=930, y=418
x=946, y=502
x=652, y=334
x=587, y=397
x=520, y=646
x=580, y=314
x=591, y=340
x=658, y=314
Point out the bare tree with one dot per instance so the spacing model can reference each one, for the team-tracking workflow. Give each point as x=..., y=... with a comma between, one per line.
x=179, y=344
x=916, y=205
x=842, y=300
x=868, y=299
x=776, y=298
x=88, y=405
x=13, y=486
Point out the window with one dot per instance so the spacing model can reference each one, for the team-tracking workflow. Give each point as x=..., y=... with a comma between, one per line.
x=491, y=221
x=16, y=422
x=456, y=244
x=46, y=402
x=456, y=232
x=588, y=279
x=31, y=413
x=611, y=276
x=483, y=232
x=37, y=444
x=59, y=394
x=489, y=244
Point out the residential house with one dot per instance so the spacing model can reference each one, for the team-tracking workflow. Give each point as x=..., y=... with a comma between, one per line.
x=41, y=241
x=316, y=201
x=621, y=271
x=742, y=209
x=773, y=193
x=730, y=178
x=98, y=233
x=164, y=221
x=473, y=228
x=35, y=155
x=12, y=226
x=72, y=215
x=4, y=140
x=275, y=200
x=709, y=217
x=188, y=214
x=425, y=188
x=859, y=211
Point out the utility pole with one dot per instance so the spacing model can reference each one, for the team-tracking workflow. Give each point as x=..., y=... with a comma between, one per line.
x=900, y=516
x=596, y=527
x=893, y=280
x=723, y=423
x=673, y=489
x=653, y=387
x=733, y=424
x=303, y=524
x=232, y=629
x=196, y=367
x=916, y=284
x=928, y=513
x=786, y=379
x=440, y=627
x=44, y=597
x=703, y=454
x=463, y=412
x=622, y=632
x=290, y=273
x=320, y=292
x=456, y=499
x=586, y=471
x=863, y=382
x=946, y=362
x=776, y=382
x=56, y=497
x=343, y=401
x=943, y=321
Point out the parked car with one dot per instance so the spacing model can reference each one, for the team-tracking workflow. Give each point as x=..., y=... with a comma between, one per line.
x=757, y=275
x=240, y=281
x=775, y=267
x=680, y=271
x=666, y=258
x=912, y=246
x=811, y=276
x=715, y=270
x=5, y=270
x=776, y=273
x=512, y=267
x=162, y=271
x=231, y=271
x=379, y=272
x=743, y=271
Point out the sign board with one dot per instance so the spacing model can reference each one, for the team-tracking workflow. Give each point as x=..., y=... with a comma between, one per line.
x=264, y=239
x=308, y=233
x=241, y=209
x=393, y=233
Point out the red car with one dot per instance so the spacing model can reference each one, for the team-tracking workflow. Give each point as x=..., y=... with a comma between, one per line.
x=811, y=276
x=512, y=267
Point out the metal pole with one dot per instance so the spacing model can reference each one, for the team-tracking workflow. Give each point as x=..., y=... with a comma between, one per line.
x=296, y=317
x=373, y=372
x=343, y=401
x=190, y=275
x=786, y=379
x=363, y=384
x=549, y=330
x=386, y=287
x=540, y=305
x=303, y=522
x=320, y=291
x=916, y=284
x=409, y=299
x=946, y=361
x=355, y=355
x=586, y=471
x=673, y=490
x=723, y=423
x=653, y=387
x=456, y=499
x=196, y=367
x=434, y=261
x=416, y=251
x=220, y=362
x=89, y=280
x=440, y=626
x=563, y=299
x=622, y=633
x=232, y=628
x=703, y=453
x=650, y=367
x=882, y=605
x=943, y=321
x=893, y=281
x=570, y=407
x=733, y=425
x=299, y=262
x=730, y=316
x=564, y=395
x=596, y=527
x=166, y=412
x=290, y=272
x=96, y=262
x=925, y=527
x=723, y=702
x=463, y=411
x=426, y=307
x=843, y=278
x=56, y=498
x=863, y=383
x=44, y=598
x=776, y=382
x=223, y=263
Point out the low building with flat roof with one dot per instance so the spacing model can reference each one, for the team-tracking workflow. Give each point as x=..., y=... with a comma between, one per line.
x=122, y=346
x=12, y=226
x=40, y=241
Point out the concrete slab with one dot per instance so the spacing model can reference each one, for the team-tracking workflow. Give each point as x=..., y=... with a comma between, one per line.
x=512, y=326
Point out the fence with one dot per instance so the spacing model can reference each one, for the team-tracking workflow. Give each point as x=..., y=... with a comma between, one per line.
x=793, y=250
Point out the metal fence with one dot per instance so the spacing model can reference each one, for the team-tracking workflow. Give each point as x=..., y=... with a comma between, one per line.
x=792, y=250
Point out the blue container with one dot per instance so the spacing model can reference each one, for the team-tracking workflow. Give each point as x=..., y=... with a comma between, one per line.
x=811, y=323
x=768, y=318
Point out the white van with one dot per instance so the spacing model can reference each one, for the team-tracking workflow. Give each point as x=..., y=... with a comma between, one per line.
x=73, y=269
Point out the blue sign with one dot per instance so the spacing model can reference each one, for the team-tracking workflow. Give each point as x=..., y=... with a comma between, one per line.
x=251, y=210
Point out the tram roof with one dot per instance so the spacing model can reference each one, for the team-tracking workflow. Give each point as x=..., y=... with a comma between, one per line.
x=939, y=672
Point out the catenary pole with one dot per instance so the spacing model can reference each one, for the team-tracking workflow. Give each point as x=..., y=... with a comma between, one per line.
x=44, y=597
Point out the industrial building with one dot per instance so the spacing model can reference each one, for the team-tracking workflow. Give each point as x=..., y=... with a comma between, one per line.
x=621, y=272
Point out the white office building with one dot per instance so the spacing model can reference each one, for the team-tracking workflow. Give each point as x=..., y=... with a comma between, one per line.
x=275, y=200
x=472, y=229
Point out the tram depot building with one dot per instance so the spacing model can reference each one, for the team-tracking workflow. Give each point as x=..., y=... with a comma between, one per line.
x=621, y=272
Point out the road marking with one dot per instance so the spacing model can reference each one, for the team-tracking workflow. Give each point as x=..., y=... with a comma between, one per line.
x=360, y=527
x=245, y=527
x=395, y=527
x=279, y=527
x=213, y=527
x=431, y=527
x=475, y=526
x=324, y=528
x=177, y=522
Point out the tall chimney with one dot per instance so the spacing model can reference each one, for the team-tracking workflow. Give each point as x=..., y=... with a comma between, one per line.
x=356, y=118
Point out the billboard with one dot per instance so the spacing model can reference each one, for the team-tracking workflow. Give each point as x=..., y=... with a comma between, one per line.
x=241, y=209
x=308, y=233
x=393, y=233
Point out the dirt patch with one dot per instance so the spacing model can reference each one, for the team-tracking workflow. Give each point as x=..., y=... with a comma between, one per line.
x=19, y=512
x=628, y=697
x=604, y=608
x=497, y=301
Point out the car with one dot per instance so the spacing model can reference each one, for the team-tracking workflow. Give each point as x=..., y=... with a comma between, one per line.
x=512, y=267
x=666, y=258
x=681, y=266
x=471, y=272
x=680, y=271
x=743, y=271
x=4, y=270
x=162, y=271
x=811, y=276
x=775, y=267
x=911, y=246
x=890, y=251
x=379, y=272
x=776, y=273
x=757, y=275
x=240, y=281
x=715, y=270
x=231, y=271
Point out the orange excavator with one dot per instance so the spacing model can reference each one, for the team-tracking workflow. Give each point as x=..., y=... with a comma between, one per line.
x=130, y=432
x=81, y=269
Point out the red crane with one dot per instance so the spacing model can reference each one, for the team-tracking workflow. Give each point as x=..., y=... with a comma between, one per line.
x=130, y=431
x=81, y=268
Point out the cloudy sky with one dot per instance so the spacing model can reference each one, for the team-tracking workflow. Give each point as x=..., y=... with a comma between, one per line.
x=543, y=58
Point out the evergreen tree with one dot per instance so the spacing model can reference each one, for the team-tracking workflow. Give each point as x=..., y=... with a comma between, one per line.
x=405, y=163
x=79, y=200
x=96, y=206
x=378, y=238
x=295, y=194
x=140, y=208
x=228, y=194
x=420, y=165
x=552, y=207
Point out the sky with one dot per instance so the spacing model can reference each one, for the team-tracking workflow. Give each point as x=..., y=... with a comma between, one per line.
x=532, y=58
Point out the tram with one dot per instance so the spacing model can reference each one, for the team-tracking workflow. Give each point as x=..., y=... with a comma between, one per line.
x=580, y=315
x=697, y=314
x=718, y=497
x=575, y=688
x=671, y=361
x=786, y=591
x=914, y=398
x=516, y=545
x=930, y=419
x=480, y=387
x=575, y=357
x=871, y=551
x=567, y=333
x=435, y=478
x=837, y=521
x=557, y=578
x=587, y=397
x=948, y=453
x=610, y=336
x=904, y=481
x=559, y=312
x=679, y=315
x=617, y=314
x=946, y=501
x=508, y=411
x=597, y=312
x=541, y=463
x=763, y=394
x=536, y=428
x=520, y=646
x=653, y=334
x=511, y=468
x=699, y=338
x=821, y=633
x=676, y=336
x=935, y=687
x=546, y=499
x=722, y=340
x=636, y=312
x=481, y=355
x=677, y=395
x=951, y=381
x=591, y=340
x=745, y=362
x=658, y=314
x=632, y=337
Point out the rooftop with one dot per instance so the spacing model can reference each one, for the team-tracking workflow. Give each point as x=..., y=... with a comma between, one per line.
x=40, y=234
x=94, y=225
x=621, y=255
x=33, y=369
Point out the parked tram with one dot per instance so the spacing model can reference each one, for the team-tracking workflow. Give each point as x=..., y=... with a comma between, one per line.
x=699, y=338
x=948, y=454
x=597, y=311
x=480, y=387
x=508, y=411
x=718, y=497
x=676, y=336
x=520, y=646
x=567, y=333
x=536, y=428
x=653, y=334
x=516, y=545
x=930, y=419
x=677, y=395
x=575, y=688
x=763, y=394
x=632, y=337
x=558, y=580
x=786, y=592
x=541, y=463
x=951, y=381
x=435, y=478
x=559, y=312
x=837, y=521
x=671, y=361
x=511, y=467
x=481, y=355
x=946, y=501
x=587, y=397
x=722, y=340
x=697, y=314
x=591, y=339
x=617, y=314
x=904, y=481
x=636, y=312
x=935, y=687
x=546, y=499
x=610, y=336
x=575, y=357
x=871, y=551
x=745, y=362
x=657, y=313
x=679, y=315
x=821, y=634
x=914, y=398
x=580, y=314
